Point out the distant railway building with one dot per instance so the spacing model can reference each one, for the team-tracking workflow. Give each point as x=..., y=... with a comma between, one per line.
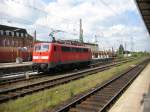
x=14, y=42
x=96, y=53
x=94, y=49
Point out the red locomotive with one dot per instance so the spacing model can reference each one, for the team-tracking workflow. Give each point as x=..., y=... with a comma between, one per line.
x=59, y=54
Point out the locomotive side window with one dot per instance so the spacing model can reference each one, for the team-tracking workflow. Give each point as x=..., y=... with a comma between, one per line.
x=66, y=49
x=85, y=50
x=73, y=49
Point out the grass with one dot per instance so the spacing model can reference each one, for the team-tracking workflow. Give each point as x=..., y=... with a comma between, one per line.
x=51, y=97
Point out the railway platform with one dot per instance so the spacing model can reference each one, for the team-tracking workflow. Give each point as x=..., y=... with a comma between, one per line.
x=146, y=101
x=132, y=100
x=14, y=67
x=7, y=68
x=14, y=64
x=10, y=65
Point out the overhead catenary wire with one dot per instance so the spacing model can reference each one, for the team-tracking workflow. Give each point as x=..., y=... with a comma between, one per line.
x=46, y=14
x=41, y=10
x=108, y=6
x=33, y=27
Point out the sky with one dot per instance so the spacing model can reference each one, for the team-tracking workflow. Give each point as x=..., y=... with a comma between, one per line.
x=109, y=23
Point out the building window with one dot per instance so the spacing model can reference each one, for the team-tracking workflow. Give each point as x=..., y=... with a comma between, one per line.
x=20, y=43
x=17, y=34
x=21, y=34
x=4, y=33
x=26, y=35
x=1, y=42
x=4, y=42
x=1, y=32
x=16, y=43
x=12, y=33
x=7, y=42
x=7, y=33
x=12, y=42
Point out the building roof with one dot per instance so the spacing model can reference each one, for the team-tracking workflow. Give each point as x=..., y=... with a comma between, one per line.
x=144, y=8
x=14, y=29
x=93, y=44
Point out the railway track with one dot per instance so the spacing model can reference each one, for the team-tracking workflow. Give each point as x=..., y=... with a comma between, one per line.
x=12, y=93
x=101, y=98
x=21, y=76
x=10, y=79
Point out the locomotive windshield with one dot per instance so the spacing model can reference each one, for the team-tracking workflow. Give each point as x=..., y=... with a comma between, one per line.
x=41, y=48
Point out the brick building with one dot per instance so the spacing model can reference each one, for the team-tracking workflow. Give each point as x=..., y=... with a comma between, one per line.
x=14, y=42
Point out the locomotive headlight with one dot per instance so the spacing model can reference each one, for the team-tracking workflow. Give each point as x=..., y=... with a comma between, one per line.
x=40, y=57
x=35, y=57
x=44, y=57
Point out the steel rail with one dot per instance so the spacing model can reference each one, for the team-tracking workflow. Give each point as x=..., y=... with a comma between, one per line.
x=13, y=93
x=31, y=76
x=103, y=96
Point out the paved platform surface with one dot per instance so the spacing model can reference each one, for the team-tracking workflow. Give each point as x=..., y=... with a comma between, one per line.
x=146, y=101
x=14, y=64
x=130, y=101
x=11, y=65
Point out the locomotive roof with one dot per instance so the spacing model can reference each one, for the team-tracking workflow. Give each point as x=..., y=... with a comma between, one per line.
x=61, y=44
x=93, y=44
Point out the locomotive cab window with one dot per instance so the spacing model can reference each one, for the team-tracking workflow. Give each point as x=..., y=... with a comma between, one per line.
x=41, y=48
x=45, y=47
x=37, y=48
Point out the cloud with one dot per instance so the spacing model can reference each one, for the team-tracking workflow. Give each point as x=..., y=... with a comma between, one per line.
x=123, y=34
x=65, y=14
x=21, y=10
x=111, y=20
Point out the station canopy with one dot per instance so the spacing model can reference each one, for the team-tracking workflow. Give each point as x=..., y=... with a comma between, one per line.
x=144, y=7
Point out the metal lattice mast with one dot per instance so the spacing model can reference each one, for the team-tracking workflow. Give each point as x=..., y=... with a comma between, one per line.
x=81, y=32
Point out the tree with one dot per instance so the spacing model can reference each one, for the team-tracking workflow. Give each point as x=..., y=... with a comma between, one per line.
x=121, y=49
